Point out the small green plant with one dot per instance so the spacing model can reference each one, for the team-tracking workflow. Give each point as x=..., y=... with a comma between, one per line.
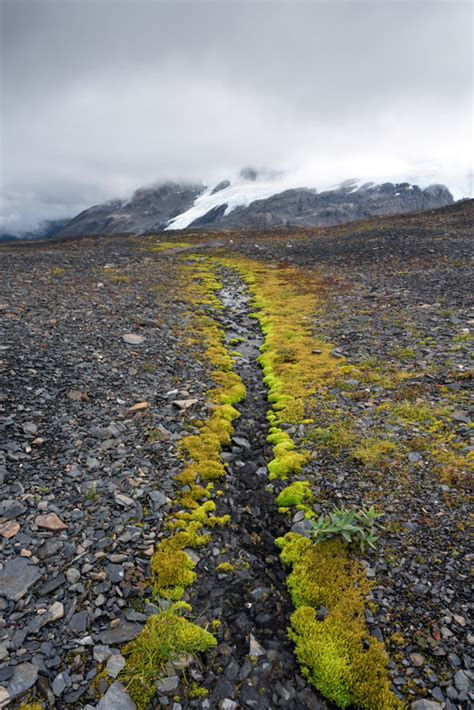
x=352, y=525
x=92, y=494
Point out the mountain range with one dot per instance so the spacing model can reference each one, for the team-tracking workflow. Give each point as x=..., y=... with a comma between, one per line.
x=249, y=203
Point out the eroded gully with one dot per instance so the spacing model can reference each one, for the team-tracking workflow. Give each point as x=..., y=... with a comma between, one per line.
x=253, y=666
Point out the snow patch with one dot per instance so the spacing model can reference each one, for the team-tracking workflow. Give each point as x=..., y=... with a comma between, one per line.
x=238, y=195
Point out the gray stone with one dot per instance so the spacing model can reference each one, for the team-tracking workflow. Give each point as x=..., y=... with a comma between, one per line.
x=116, y=698
x=303, y=527
x=4, y=697
x=49, y=548
x=115, y=573
x=158, y=499
x=60, y=683
x=78, y=622
x=425, y=705
x=241, y=442
x=125, y=631
x=24, y=677
x=133, y=338
x=166, y=686
x=16, y=577
x=115, y=664
x=227, y=704
x=255, y=648
x=73, y=575
x=462, y=682
x=322, y=613
x=101, y=653
x=11, y=509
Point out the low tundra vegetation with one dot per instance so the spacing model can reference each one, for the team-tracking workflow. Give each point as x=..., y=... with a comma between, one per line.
x=357, y=526
x=335, y=650
x=165, y=636
x=333, y=646
x=168, y=633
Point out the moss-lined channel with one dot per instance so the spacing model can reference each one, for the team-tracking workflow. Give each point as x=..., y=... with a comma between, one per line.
x=168, y=634
x=336, y=653
x=335, y=649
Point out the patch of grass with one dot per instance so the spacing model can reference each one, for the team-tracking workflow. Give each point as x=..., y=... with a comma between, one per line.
x=164, y=637
x=114, y=276
x=92, y=494
x=336, y=437
x=403, y=354
x=374, y=451
x=198, y=691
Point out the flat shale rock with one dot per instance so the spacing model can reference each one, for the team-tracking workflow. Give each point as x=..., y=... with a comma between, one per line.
x=16, y=577
x=116, y=698
x=123, y=632
x=24, y=677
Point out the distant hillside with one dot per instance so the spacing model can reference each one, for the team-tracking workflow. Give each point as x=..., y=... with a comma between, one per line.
x=251, y=204
x=47, y=229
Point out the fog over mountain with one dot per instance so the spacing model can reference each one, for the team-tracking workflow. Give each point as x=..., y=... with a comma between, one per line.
x=102, y=97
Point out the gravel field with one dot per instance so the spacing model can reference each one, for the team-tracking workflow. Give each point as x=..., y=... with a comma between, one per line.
x=102, y=374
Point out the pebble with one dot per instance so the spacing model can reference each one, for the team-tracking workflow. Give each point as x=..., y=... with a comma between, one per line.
x=167, y=685
x=50, y=521
x=9, y=529
x=116, y=698
x=24, y=677
x=115, y=664
x=16, y=577
x=133, y=339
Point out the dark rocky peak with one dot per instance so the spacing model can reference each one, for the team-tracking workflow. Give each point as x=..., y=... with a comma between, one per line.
x=221, y=186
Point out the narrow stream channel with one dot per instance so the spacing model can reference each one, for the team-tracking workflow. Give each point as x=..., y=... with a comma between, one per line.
x=253, y=666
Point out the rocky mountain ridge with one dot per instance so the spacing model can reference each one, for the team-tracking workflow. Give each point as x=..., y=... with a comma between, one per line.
x=226, y=206
x=252, y=202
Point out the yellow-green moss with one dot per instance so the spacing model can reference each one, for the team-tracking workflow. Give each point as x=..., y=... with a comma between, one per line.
x=164, y=637
x=337, y=654
x=374, y=451
x=197, y=691
x=171, y=569
x=165, y=246
x=296, y=493
x=225, y=568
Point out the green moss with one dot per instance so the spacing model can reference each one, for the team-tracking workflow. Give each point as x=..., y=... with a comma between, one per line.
x=336, y=437
x=287, y=463
x=172, y=570
x=197, y=691
x=337, y=654
x=165, y=246
x=373, y=451
x=164, y=637
x=296, y=493
x=225, y=568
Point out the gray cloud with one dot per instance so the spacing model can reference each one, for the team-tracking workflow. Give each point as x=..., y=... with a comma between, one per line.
x=101, y=96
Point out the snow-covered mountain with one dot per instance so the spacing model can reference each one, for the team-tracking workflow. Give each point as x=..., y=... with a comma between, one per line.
x=252, y=202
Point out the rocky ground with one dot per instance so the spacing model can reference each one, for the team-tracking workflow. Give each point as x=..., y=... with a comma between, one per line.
x=100, y=380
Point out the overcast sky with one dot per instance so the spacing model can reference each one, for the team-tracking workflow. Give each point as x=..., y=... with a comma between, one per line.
x=102, y=96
